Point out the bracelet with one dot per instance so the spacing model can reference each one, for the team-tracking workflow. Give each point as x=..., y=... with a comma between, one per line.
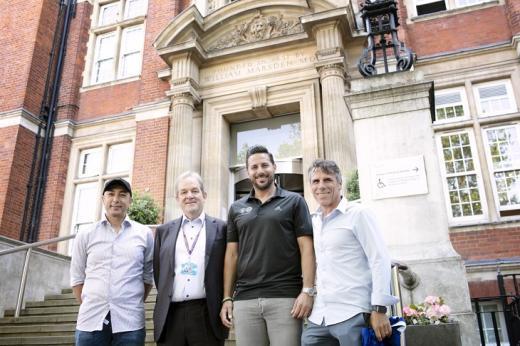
x=227, y=299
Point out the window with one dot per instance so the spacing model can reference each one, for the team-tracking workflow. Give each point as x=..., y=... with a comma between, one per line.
x=460, y=169
x=503, y=152
x=487, y=310
x=95, y=166
x=281, y=135
x=118, y=41
x=498, y=144
x=104, y=60
x=451, y=105
x=494, y=98
x=432, y=6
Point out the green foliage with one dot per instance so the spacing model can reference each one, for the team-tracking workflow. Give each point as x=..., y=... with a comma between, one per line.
x=353, y=186
x=144, y=209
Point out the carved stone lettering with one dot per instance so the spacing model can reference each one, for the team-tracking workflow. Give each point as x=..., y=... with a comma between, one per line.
x=259, y=66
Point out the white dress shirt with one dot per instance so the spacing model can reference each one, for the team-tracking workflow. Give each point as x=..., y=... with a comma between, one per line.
x=353, y=265
x=113, y=268
x=189, y=283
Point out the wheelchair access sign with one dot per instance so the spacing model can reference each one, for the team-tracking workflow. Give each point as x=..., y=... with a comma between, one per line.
x=398, y=177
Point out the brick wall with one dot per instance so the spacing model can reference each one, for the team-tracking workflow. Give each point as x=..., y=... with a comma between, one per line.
x=55, y=188
x=487, y=244
x=26, y=27
x=16, y=150
x=74, y=63
x=461, y=31
x=151, y=147
x=108, y=101
x=489, y=288
x=513, y=15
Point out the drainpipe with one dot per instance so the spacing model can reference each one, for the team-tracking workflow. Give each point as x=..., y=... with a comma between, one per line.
x=44, y=152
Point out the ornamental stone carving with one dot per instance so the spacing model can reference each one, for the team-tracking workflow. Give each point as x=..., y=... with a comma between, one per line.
x=258, y=28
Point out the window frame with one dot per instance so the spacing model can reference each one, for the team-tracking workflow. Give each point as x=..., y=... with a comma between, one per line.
x=464, y=102
x=122, y=46
x=98, y=31
x=100, y=178
x=510, y=94
x=462, y=220
x=449, y=4
x=492, y=170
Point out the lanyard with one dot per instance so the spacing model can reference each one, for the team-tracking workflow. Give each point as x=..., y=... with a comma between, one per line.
x=190, y=250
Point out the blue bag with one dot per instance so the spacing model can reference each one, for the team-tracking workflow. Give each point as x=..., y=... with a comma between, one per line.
x=398, y=326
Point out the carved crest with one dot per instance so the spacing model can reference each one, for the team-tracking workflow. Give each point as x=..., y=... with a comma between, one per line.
x=258, y=28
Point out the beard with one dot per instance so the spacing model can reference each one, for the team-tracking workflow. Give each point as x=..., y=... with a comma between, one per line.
x=269, y=182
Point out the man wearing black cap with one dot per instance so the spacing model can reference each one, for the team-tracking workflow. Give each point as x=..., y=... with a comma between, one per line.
x=111, y=273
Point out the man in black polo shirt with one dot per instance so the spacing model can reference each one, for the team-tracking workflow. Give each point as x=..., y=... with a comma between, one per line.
x=269, y=248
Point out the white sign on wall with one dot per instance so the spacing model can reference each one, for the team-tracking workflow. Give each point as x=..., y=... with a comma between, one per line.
x=398, y=177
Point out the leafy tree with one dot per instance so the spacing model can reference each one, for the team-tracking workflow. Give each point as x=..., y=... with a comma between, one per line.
x=144, y=209
x=353, y=186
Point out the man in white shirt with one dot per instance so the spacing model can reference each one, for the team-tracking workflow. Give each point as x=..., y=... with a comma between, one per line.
x=188, y=271
x=111, y=274
x=353, y=266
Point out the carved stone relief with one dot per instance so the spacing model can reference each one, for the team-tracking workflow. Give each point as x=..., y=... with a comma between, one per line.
x=258, y=28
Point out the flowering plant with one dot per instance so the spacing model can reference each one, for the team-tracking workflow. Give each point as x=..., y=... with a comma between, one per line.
x=431, y=311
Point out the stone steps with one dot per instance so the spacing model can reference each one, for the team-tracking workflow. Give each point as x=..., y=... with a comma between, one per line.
x=53, y=322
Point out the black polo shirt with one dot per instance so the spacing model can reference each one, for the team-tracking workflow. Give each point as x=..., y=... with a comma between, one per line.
x=269, y=263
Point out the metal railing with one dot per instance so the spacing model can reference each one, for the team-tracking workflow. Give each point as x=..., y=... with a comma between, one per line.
x=25, y=270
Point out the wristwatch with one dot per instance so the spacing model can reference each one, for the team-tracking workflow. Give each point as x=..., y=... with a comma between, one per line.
x=311, y=291
x=379, y=308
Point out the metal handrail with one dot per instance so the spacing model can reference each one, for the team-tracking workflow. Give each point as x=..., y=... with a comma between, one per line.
x=29, y=248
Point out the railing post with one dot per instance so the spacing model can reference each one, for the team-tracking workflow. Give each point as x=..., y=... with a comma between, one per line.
x=479, y=321
x=495, y=327
x=23, y=281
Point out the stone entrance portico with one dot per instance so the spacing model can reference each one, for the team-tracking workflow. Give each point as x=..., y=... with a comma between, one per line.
x=255, y=61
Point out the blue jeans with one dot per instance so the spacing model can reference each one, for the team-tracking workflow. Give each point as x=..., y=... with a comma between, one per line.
x=105, y=337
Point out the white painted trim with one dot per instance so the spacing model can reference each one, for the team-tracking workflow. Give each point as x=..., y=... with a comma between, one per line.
x=20, y=117
x=152, y=111
x=64, y=128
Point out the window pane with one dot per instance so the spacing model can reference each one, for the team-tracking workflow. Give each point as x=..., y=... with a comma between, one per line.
x=135, y=8
x=281, y=135
x=89, y=162
x=504, y=147
x=85, y=203
x=464, y=195
x=495, y=99
x=103, y=65
x=106, y=47
x=508, y=188
x=108, y=14
x=449, y=104
x=130, y=64
x=120, y=158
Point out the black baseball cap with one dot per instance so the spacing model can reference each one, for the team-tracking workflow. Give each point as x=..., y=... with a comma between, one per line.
x=119, y=182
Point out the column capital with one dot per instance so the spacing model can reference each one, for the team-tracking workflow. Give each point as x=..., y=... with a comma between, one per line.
x=183, y=98
x=331, y=69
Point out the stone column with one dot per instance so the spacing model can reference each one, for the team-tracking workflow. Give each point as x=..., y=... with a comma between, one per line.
x=338, y=136
x=393, y=125
x=184, y=96
x=179, y=148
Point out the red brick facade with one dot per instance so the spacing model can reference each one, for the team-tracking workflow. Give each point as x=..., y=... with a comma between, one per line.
x=487, y=244
x=16, y=152
x=457, y=32
x=149, y=171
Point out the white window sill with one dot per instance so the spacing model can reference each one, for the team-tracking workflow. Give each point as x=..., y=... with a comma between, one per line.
x=454, y=11
x=110, y=83
x=482, y=225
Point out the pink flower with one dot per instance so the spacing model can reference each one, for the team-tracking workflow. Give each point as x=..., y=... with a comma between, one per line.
x=444, y=310
x=409, y=311
x=432, y=300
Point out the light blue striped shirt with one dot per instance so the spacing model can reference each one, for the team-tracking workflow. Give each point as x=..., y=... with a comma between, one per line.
x=113, y=268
